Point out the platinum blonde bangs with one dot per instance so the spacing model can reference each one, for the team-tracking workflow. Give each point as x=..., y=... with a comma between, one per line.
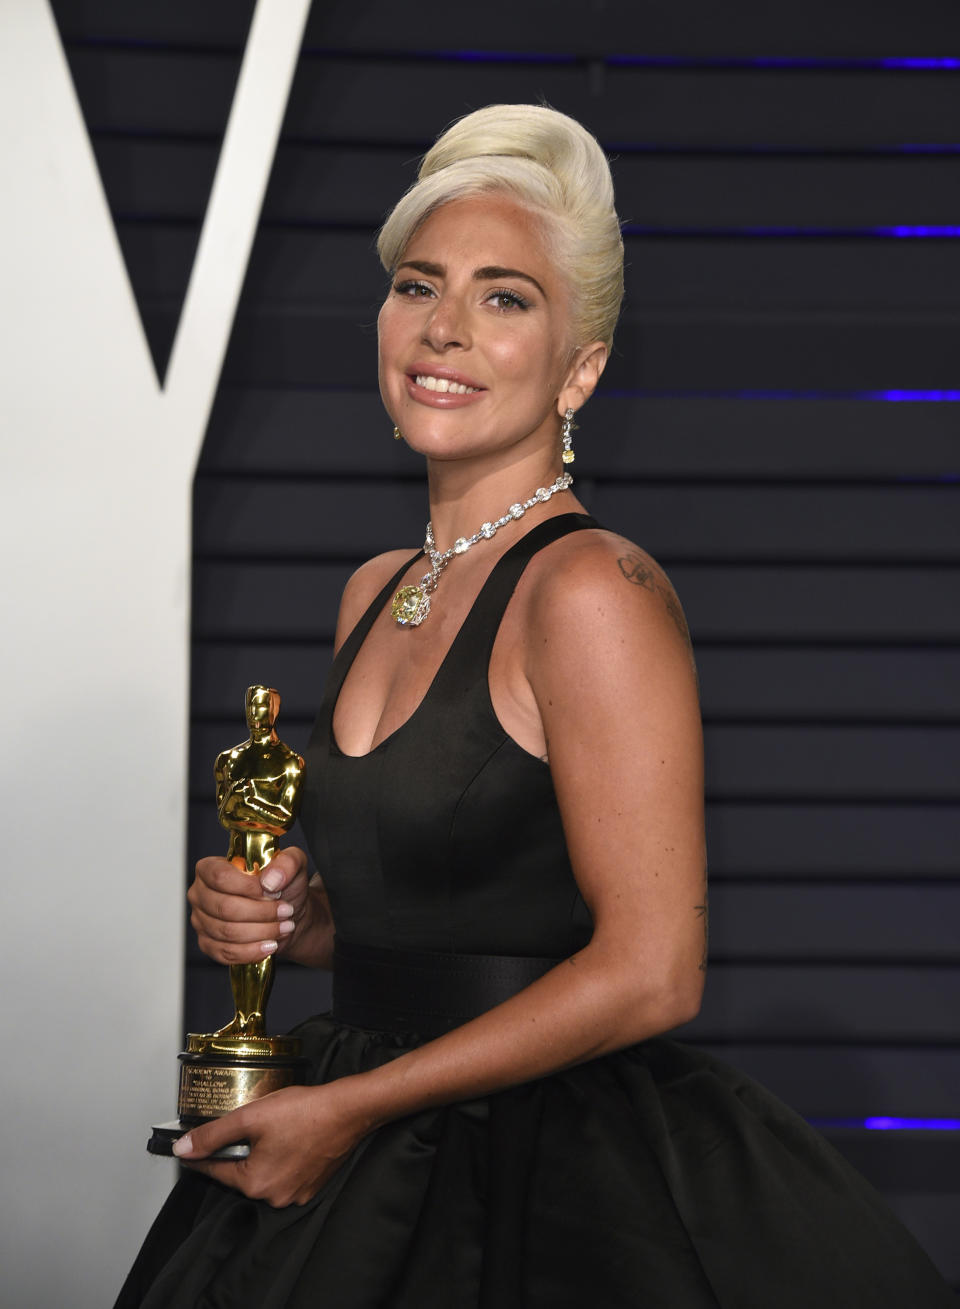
x=549, y=164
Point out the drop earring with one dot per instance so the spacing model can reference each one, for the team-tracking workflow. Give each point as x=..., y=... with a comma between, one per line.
x=566, y=436
x=397, y=434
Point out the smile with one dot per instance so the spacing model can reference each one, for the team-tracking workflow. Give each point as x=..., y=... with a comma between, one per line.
x=444, y=385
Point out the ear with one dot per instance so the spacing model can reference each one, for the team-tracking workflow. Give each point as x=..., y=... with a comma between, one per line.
x=584, y=374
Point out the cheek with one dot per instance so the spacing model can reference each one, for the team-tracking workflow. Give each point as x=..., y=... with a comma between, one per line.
x=388, y=339
x=385, y=339
x=520, y=357
x=384, y=333
x=530, y=360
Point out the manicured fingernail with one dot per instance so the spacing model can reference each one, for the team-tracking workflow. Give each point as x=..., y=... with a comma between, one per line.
x=284, y=909
x=271, y=880
x=268, y=947
x=183, y=1146
x=286, y=928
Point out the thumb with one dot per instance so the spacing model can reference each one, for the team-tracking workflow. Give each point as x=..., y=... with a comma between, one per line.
x=203, y=1141
x=281, y=870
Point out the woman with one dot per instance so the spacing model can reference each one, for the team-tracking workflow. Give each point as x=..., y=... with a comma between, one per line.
x=504, y=800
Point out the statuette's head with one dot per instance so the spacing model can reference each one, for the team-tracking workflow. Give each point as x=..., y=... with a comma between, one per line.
x=262, y=706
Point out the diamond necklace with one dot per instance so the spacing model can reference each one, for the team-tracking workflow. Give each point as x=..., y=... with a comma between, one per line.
x=411, y=604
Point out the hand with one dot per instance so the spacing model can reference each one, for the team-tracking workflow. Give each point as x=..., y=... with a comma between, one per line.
x=298, y=1137
x=239, y=918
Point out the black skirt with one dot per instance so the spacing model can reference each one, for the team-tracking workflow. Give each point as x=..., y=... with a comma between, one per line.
x=656, y=1176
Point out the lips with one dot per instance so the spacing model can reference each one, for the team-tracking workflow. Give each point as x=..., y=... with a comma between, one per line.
x=440, y=386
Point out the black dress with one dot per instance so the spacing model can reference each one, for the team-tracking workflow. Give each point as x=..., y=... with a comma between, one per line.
x=655, y=1176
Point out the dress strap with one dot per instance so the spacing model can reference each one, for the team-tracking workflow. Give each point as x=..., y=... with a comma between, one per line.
x=347, y=652
x=469, y=656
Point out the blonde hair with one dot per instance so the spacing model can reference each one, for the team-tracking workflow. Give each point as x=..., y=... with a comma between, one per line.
x=552, y=166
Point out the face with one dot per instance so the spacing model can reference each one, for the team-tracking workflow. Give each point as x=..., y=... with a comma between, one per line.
x=475, y=349
x=260, y=709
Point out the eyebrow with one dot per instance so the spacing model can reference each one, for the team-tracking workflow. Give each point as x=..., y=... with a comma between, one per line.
x=490, y=273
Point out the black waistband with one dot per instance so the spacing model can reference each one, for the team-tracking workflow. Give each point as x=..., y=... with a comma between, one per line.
x=423, y=992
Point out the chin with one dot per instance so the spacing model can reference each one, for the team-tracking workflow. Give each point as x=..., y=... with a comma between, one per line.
x=440, y=441
x=440, y=450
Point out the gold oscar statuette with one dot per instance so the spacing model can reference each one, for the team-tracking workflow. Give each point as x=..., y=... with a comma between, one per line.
x=258, y=794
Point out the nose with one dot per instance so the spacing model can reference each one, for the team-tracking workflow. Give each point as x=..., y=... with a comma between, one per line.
x=447, y=326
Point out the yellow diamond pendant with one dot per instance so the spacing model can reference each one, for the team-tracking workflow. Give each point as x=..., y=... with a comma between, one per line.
x=410, y=606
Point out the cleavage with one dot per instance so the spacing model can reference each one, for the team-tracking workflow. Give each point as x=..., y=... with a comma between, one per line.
x=395, y=669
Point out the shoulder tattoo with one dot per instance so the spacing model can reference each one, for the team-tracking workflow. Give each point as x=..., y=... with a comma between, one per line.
x=637, y=571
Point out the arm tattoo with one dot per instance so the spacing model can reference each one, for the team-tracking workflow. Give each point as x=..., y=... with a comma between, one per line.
x=638, y=572
x=703, y=911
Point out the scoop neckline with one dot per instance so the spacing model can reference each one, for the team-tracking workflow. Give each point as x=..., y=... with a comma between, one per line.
x=335, y=747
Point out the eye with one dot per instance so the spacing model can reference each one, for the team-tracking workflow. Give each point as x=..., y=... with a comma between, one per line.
x=505, y=300
x=413, y=290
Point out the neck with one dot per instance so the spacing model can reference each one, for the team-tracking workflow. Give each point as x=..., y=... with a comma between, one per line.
x=262, y=735
x=463, y=495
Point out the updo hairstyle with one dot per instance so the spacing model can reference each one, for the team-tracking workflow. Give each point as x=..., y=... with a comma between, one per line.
x=552, y=166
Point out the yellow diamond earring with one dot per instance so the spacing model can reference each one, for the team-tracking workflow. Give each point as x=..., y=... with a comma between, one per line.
x=566, y=431
x=397, y=434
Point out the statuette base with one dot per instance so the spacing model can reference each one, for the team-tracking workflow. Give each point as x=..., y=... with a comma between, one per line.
x=219, y=1074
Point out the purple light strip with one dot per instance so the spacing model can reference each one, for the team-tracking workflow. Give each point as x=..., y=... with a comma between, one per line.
x=800, y=63
x=907, y=62
x=922, y=231
x=912, y=1124
x=898, y=396
x=782, y=149
x=809, y=62
x=885, y=1124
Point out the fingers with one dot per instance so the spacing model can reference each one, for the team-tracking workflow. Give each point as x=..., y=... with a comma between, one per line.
x=236, y=931
x=283, y=871
x=235, y=909
x=205, y=1140
x=283, y=874
x=298, y=1137
x=194, y=1151
x=220, y=875
x=242, y=942
x=236, y=920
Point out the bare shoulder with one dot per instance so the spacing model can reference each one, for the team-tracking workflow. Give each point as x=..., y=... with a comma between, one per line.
x=597, y=579
x=364, y=585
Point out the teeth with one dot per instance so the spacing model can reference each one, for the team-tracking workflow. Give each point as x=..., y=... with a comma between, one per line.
x=443, y=384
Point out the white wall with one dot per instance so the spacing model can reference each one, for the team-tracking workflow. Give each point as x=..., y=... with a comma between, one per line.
x=96, y=464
